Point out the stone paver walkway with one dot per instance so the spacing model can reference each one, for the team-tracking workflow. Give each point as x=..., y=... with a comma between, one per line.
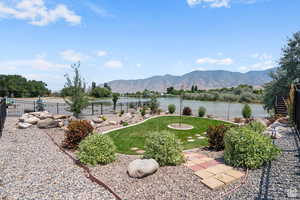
x=214, y=174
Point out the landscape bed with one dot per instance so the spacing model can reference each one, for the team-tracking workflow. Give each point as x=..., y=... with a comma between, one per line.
x=135, y=136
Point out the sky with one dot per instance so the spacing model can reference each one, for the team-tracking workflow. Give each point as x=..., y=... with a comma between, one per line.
x=133, y=39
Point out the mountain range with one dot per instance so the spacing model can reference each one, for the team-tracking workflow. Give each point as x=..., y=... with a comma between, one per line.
x=203, y=80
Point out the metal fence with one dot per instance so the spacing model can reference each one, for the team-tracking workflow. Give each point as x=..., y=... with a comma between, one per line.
x=94, y=108
x=2, y=115
x=297, y=107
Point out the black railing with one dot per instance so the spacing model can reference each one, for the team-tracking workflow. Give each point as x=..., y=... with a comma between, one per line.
x=94, y=108
x=2, y=115
x=297, y=107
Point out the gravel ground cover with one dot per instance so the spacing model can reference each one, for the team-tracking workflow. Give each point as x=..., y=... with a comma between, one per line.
x=278, y=178
x=32, y=167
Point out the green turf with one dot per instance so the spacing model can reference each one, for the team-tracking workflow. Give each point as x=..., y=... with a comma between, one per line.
x=135, y=136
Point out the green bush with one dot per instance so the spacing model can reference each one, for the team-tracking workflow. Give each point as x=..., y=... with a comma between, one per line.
x=246, y=112
x=215, y=136
x=164, y=148
x=143, y=111
x=187, y=111
x=247, y=148
x=256, y=126
x=97, y=149
x=171, y=108
x=201, y=111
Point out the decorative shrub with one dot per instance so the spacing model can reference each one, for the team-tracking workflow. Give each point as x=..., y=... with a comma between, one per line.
x=246, y=112
x=125, y=124
x=201, y=111
x=121, y=113
x=103, y=118
x=143, y=111
x=164, y=148
x=76, y=131
x=97, y=149
x=247, y=148
x=187, y=111
x=216, y=135
x=256, y=126
x=171, y=108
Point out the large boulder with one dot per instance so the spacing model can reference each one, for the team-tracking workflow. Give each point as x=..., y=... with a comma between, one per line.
x=31, y=120
x=22, y=125
x=42, y=115
x=48, y=123
x=142, y=167
x=112, y=123
x=60, y=116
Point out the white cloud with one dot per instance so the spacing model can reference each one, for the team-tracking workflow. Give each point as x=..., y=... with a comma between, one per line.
x=217, y=3
x=209, y=3
x=73, y=56
x=101, y=53
x=258, y=66
x=138, y=65
x=225, y=61
x=263, y=56
x=98, y=10
x=263, y=61
x=39, y=63
x=36, y=12
x=113, y=64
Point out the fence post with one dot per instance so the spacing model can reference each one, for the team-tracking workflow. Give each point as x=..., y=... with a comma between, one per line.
x=33, y=106
x=127, y=107
x=57, y=110
x=121, y=107
x=101, y=108
x=92, y=108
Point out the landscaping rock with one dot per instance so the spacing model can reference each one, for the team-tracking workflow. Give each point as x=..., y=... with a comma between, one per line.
x=42, y=115
x=112, y=123
x=22, y=125
x=31, y=120
x=147, y=116
x=24, y=117
x=140, y=168
x=98, y=120
x=47, y=123
x=60, y=117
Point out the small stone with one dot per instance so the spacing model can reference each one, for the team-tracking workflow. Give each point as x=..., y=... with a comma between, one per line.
x=201, y=137
x=60, y=117
x=190, y=140
x=142, y=167
x=98, y=120
x=190, y=137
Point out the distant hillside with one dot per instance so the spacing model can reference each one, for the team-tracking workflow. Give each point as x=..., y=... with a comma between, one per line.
x=203, y=79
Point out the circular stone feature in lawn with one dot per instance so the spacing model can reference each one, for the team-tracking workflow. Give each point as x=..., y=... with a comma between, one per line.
x=178, y=126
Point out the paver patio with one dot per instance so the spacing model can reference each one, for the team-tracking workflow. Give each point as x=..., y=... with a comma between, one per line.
x=212, y=173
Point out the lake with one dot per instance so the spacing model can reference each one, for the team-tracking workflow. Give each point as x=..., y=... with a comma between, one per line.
x=218, y=109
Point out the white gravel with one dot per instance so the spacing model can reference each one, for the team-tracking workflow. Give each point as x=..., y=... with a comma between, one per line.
x=32, y=167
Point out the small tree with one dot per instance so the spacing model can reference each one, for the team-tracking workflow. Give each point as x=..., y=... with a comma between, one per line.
x=246, y=112
x=154, y=104
x=171, y=108
x=201, y=111
x=77, y=99
x=115, y=98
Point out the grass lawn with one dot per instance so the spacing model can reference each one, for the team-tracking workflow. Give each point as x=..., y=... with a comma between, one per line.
x=135, y=136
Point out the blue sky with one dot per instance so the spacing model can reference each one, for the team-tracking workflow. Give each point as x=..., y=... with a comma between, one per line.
x=131, y=39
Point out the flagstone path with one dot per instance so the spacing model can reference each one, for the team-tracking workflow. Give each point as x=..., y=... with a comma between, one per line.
x=213, y=174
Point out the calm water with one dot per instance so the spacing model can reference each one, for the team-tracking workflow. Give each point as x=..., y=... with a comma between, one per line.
x=218, y=109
